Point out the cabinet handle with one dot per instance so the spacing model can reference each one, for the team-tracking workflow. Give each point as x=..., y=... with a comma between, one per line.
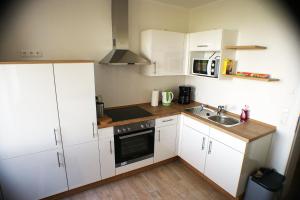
x=168, y=120
x=203, y=143
x=159, y=135
x=155, y=67
x=202, y=45
x=209, y=147
x=59, y=164
x=93, y=124
x=110, y=147
x=54, y=131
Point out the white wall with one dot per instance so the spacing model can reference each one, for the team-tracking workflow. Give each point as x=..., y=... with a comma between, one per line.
x=275, y=102
x=81, y=29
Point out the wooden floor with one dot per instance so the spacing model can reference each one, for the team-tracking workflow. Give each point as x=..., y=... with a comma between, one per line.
x=172, y=181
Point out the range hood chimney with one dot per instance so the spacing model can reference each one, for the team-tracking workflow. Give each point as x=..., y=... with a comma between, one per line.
x=120, y=55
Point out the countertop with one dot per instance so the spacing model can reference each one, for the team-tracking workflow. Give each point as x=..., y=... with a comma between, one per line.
x=248, y=131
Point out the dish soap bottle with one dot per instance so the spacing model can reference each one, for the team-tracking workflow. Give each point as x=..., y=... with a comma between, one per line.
x=245, y=114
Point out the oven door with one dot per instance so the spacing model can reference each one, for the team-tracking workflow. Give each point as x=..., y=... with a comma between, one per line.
x=200, y=67
x=134, y=146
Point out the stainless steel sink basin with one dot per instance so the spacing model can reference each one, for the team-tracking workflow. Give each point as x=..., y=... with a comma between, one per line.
x=224, y=120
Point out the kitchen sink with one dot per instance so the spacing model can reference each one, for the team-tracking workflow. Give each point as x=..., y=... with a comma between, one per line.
x=224, y=120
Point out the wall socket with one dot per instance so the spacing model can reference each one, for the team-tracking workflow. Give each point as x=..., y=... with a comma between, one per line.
x=31, y=53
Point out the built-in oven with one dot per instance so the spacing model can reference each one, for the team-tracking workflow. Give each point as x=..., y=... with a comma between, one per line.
x=134, y=142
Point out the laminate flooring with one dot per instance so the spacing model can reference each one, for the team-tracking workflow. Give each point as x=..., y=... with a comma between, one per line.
x=172, y=181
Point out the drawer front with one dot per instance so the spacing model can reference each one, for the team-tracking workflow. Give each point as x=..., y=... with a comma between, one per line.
x=196, y=125
x=228, y=140
x=166, y=121
x=106, y=132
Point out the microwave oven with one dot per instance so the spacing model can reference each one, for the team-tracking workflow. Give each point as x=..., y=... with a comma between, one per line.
x=206, y=67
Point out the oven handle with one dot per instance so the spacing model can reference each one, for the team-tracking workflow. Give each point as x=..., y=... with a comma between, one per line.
x=136, y=134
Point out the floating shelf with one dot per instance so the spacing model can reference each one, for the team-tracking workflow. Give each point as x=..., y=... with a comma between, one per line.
x=252, y=78
x=245, y=47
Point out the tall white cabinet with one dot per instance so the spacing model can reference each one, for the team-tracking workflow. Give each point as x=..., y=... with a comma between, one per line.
x=75, y=88
x=48, y=129
x=31, y=154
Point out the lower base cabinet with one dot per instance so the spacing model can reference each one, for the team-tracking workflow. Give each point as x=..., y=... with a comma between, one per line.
x=82, y=164
x=223, y=166
x=107, y=152
x=193, y=147
x=165, y=142
x=33, y=176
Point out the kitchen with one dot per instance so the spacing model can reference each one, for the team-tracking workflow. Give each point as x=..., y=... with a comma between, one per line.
x=60, y=31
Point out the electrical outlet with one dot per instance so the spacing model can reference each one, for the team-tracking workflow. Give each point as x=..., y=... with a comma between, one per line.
x=31, y=53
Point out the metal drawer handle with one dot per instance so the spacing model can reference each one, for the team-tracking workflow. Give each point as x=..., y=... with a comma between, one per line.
x=168, y=120
x=93, y=125
x=203, y=143
x=155, y=67
x=159, y=135
x=203, y=45
x=54, y=131
x=209, y=147
x=58, y=160
x=110, y=147
x=136, y=134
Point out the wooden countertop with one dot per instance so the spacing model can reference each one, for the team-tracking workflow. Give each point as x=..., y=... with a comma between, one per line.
x=249, y=131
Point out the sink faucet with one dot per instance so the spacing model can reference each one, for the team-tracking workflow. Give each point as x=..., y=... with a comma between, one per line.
x=220, y=109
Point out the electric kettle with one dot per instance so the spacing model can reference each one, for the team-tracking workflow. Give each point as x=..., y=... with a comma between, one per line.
x=167, y=97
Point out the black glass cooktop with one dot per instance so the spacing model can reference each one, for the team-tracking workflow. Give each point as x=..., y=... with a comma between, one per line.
x=132, y=112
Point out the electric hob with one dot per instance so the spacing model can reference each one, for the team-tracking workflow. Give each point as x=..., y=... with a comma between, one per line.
x=131, y=112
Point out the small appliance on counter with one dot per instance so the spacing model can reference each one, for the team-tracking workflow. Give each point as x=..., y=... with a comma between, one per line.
x=184, y=94
x=99, y=106
x=155, y=98
x=167, y=97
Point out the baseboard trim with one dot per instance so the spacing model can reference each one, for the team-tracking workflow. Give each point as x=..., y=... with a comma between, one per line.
x=213, y=184
x=108, y=180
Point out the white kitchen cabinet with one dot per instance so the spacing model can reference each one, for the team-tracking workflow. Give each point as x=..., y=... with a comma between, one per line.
x=223, y=166
x=165, y=49
x=33, y=176
x=165, y=145
x=107, y=152
x=28, y=109
x=165, y=142
x=82, y=164
x=205, y=41
x=75, y=87
x=193, y=147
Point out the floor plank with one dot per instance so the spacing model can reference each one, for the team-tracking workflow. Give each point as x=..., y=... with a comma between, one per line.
x=172, y=181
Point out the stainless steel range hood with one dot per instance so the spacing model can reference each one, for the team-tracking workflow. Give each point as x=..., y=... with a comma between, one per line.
x=120, y=55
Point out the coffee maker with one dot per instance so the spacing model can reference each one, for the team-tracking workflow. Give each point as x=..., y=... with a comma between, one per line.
x=184, y=94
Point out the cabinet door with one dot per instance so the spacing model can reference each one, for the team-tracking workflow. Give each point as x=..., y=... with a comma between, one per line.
x=193, y=147
x=167, y=52
x=165, y=142
x=107, y=157
x=223, y=166
x=82, y=164
x=28, y=109
x=206, y=41
x=75, y=88
x=33, y=176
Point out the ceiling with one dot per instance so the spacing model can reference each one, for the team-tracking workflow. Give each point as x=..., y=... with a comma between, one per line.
x=187, y=3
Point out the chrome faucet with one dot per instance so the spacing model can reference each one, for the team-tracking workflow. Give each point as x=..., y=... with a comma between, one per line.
x=220, y=109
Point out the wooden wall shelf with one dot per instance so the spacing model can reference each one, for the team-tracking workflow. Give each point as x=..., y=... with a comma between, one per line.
x=252, y=78
x=246, y=47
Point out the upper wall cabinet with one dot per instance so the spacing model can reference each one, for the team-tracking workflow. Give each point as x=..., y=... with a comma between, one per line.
x=205, y=41
x=166, y=50
x=205, y=44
